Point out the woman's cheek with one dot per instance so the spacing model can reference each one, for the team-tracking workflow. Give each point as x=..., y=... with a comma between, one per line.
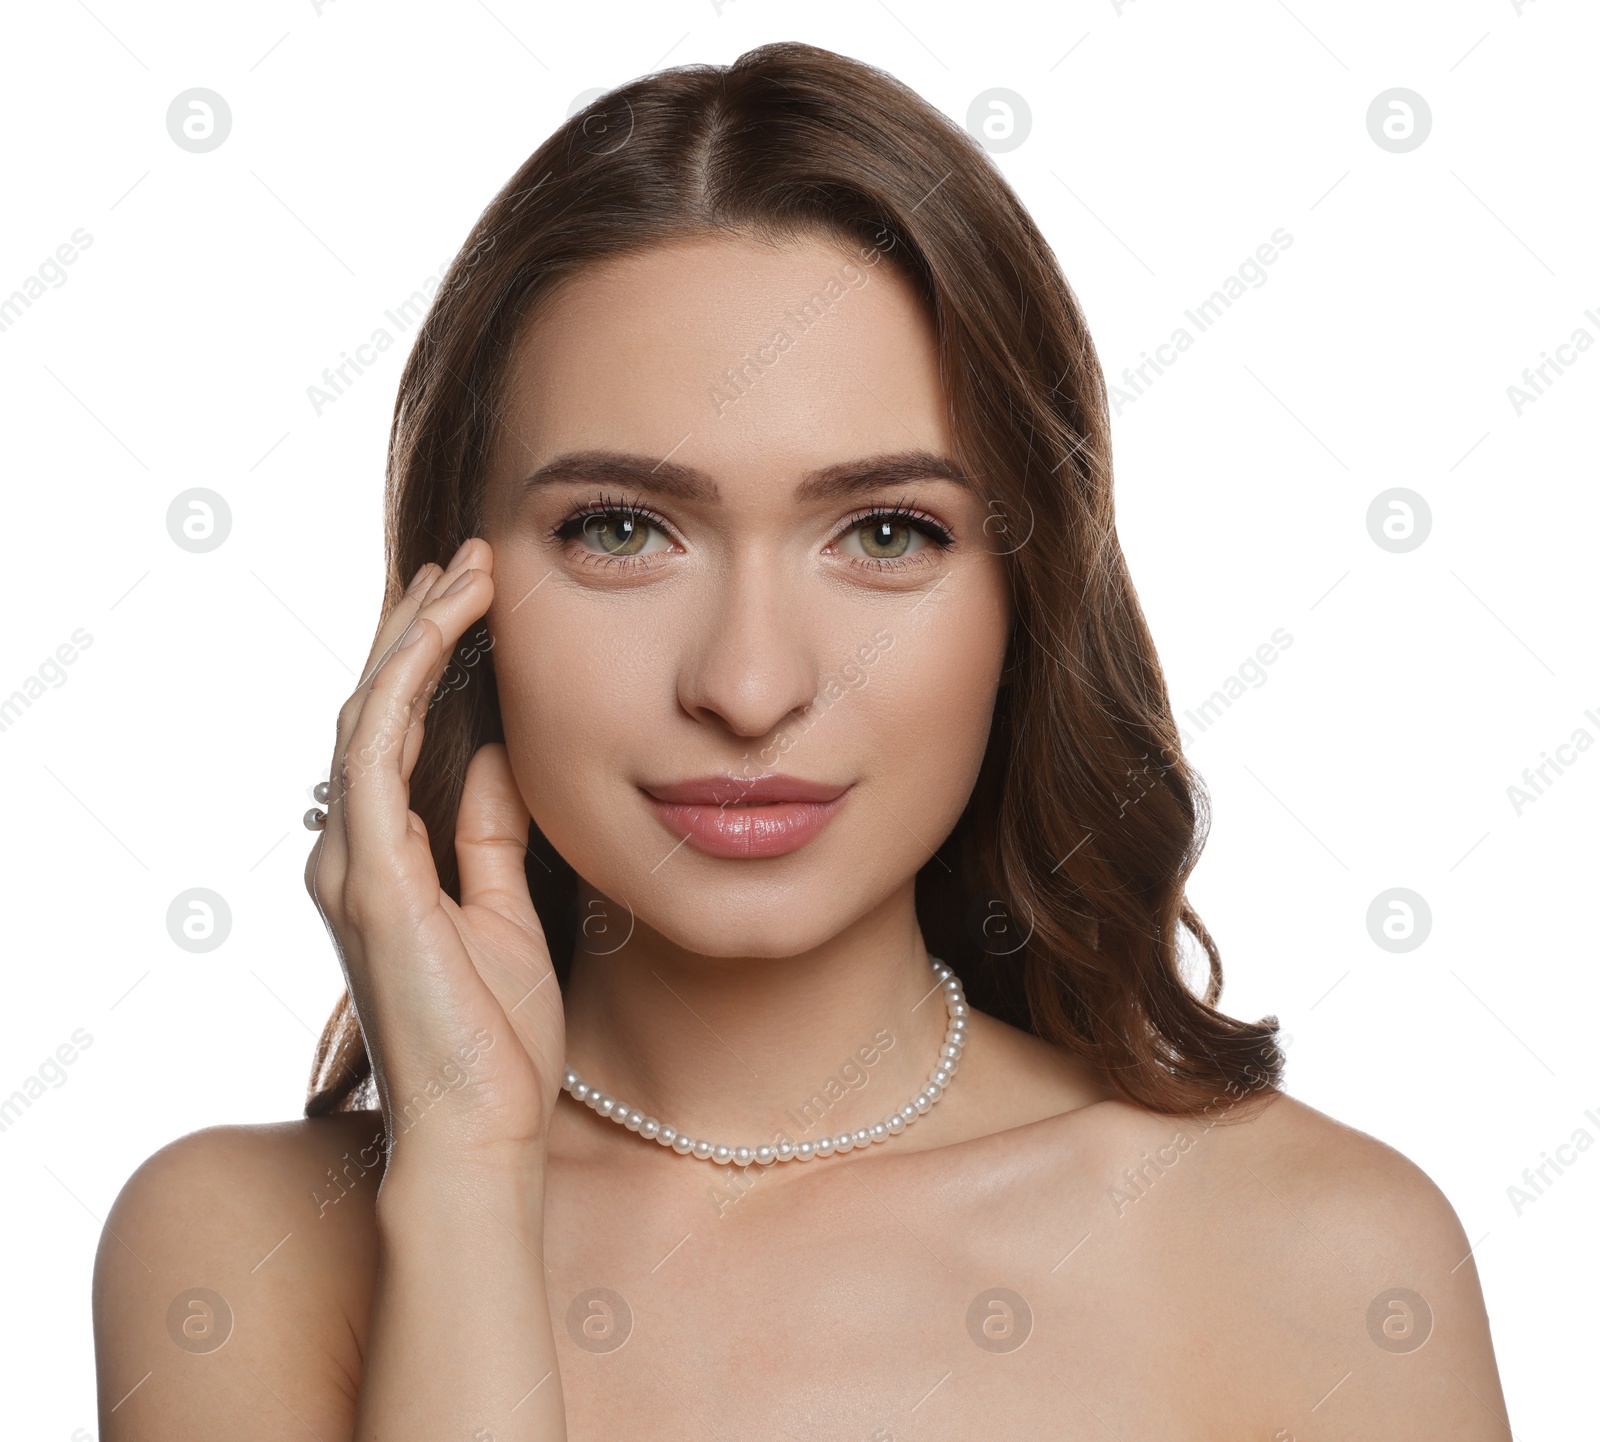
x=578, y=703
x=540, y=711
x=934, y=693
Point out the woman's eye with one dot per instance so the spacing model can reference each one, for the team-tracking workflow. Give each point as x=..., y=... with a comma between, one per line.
x=885, y=539
x=619, y=533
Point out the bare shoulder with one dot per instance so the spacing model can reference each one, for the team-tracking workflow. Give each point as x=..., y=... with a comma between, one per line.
x=232, y=1280
x=1363, y=1200
x=1330, y=1274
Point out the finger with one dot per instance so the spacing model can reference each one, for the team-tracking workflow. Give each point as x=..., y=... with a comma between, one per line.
x=329, y=862
x=385, y=875
x=394, y=622
x=466, y=600
x=377, y=792
x=475, y=555
x=458, y=669
x=492, y=835
x=430, y=582
x=326, y=866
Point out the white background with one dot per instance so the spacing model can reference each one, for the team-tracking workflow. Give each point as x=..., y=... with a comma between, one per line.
x=1167, y=142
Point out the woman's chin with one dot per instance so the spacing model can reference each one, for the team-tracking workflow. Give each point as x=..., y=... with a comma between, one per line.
x=739, y=921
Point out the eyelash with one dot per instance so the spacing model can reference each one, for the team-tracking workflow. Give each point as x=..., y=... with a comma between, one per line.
x=602, y=505
x=901, y=513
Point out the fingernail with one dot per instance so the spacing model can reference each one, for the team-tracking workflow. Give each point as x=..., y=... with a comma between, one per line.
x=455, y=560
x=458, y=583
x=412, y=636
x=416, y=580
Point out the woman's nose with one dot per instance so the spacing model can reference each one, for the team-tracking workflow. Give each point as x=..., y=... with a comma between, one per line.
x=750, y=656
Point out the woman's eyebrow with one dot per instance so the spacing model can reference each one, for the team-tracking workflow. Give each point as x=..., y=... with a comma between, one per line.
x=668, y=478
x=871, y=473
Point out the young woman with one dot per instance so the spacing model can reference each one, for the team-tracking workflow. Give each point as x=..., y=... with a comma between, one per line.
x=757, y=859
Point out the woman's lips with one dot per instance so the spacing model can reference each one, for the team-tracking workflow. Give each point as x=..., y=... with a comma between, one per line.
x=746, y=816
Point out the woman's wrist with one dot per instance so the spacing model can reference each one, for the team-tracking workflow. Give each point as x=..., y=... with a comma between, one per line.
x=423, y=1182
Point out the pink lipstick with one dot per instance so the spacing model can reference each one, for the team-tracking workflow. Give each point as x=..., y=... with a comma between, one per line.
x=745, y=816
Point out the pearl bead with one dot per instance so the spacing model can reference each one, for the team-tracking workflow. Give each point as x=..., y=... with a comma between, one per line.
x=702, y=1149
x=766, y=1156
x=804, y=1151
x=743, y=1156
x=682, y=1145
x=824, y=1147
x=650, y=1128
x=896, y=1124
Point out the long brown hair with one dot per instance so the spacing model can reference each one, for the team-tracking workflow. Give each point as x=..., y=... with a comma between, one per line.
x=1059, y=896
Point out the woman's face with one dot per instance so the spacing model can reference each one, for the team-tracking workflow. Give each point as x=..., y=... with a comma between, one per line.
x=695, y=578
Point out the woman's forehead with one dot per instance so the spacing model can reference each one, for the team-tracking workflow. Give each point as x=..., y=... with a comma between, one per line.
x=739, y=354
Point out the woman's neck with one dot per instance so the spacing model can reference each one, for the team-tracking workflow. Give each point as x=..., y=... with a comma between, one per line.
x=739, y=1050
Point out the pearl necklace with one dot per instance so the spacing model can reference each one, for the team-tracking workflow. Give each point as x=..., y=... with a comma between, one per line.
x=786, y=1151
